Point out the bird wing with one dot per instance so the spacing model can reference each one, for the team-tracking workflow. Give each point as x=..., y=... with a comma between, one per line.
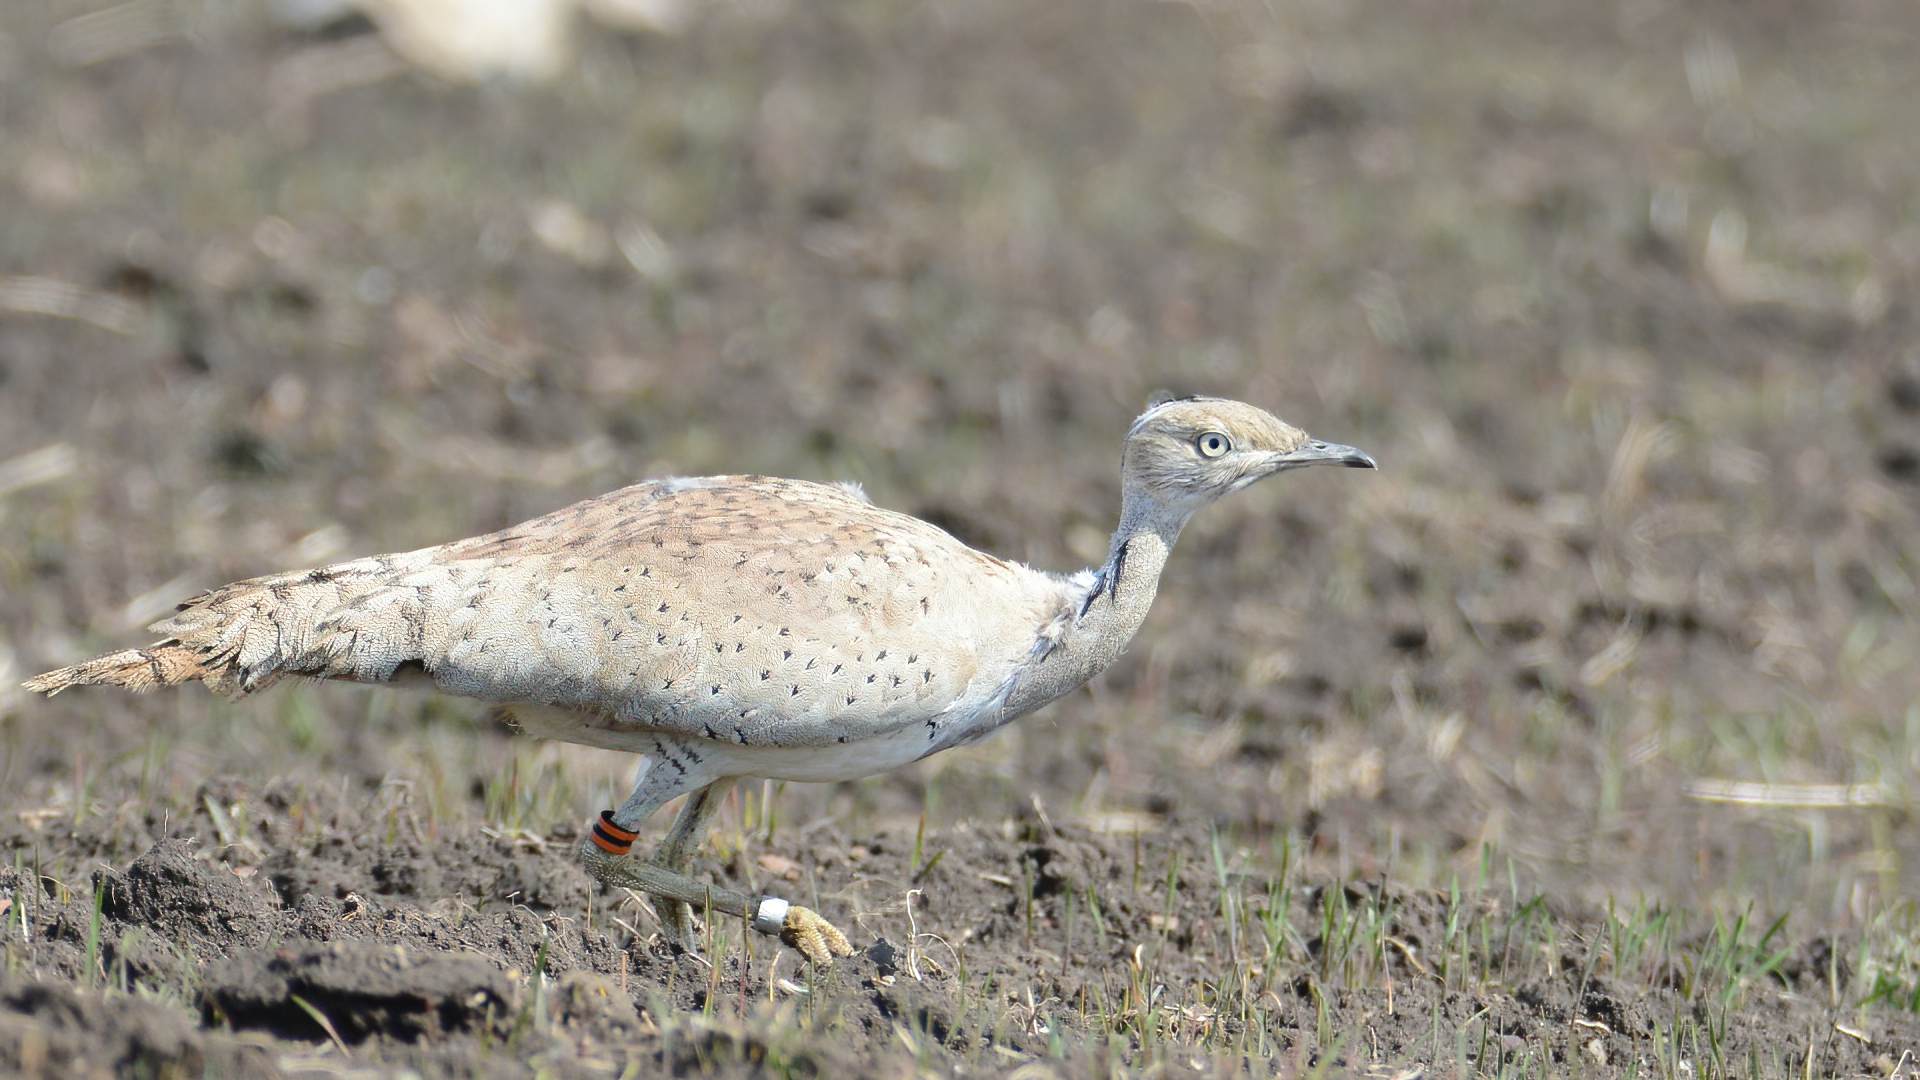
x=750, y=609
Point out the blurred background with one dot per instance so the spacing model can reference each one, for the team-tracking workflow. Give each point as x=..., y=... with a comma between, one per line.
x=1620, y=296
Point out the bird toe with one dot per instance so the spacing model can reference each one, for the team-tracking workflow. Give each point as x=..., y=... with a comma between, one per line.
x=816, y=938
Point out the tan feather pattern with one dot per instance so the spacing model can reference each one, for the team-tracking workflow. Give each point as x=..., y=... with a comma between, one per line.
x=745, y=609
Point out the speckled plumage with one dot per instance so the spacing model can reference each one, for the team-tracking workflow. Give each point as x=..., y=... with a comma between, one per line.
x=745, y=609
x=728, y=626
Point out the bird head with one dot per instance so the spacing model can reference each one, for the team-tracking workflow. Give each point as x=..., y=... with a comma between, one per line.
x=1185, y=453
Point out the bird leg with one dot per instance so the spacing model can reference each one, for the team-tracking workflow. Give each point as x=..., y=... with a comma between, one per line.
x=816, y=938
x=676, y=852
x=605, y=855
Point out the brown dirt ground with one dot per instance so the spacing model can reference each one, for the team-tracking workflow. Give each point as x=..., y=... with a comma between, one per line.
x=1619, y=295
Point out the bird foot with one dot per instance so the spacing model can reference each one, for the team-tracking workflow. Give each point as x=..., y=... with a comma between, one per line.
x=677, y=897
x=676, y=923
x=817, y=939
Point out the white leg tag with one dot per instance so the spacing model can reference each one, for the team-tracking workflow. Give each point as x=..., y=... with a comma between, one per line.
x=771, y=918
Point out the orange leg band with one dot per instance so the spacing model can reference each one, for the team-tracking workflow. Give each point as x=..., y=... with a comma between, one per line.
x=611, y=838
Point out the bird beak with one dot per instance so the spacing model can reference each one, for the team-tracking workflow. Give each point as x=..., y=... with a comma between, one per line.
x=1321, y=452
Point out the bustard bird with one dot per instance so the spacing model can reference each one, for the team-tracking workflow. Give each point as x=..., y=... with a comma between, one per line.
x=726, y=627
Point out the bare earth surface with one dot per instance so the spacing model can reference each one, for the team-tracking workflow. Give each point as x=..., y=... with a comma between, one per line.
x=1581, y=739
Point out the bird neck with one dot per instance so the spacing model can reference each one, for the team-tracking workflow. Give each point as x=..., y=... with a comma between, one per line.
x=1124, y=585
x=1105, y=618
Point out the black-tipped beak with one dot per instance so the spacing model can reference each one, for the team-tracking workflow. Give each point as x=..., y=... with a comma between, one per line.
x=1356, y=459
x=1321, y=452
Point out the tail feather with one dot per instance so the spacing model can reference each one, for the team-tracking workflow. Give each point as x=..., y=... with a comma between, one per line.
x=166, y=663
x=243, y=637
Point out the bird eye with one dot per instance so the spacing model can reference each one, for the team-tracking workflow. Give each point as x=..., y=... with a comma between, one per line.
x=1212, y=444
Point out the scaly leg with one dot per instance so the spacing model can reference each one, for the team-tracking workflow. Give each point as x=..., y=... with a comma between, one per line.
x=676, y=852
x=605, y=856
